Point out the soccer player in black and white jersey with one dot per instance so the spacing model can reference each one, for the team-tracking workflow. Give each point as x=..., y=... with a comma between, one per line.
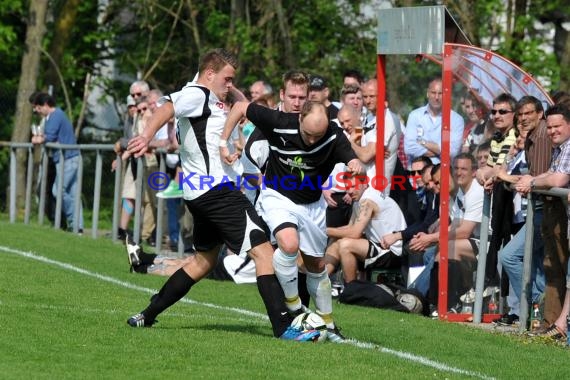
x=221, y=213
x=303, y=151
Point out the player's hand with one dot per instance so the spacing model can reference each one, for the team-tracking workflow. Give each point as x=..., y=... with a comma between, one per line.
x=347, y=199
x=138, y=146
x=327, y=194
x=388, y=240
x=355, y=166
x=226, y=157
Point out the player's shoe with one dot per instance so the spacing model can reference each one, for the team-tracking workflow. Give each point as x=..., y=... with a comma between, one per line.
x=334, y=335
x=303, y=309
x=138, y=320
x=133, y=251
x=300, y=336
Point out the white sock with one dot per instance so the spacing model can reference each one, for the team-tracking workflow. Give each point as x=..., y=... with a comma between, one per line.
x=319, y=286
x=286, y=271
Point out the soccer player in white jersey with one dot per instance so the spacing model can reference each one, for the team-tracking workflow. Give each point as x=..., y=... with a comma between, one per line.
x=303, y=151
x=221, y=212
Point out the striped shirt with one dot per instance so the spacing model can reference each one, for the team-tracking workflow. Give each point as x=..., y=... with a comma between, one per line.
x=500, y=149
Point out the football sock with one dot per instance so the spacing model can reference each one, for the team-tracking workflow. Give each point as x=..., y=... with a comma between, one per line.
x=303, y=291
x=176, y=287
x=319, y=286
x=286, y=271
x=272, y=295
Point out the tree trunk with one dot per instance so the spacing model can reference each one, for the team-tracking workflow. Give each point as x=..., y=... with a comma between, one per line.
x=29, y=73
x=65, y=22
x=564, y=54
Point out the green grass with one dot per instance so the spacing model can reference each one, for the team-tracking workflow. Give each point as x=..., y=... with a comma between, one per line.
x=68, y=321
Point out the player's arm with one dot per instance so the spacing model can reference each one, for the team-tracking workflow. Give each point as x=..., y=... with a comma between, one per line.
x=355, y=230
x=236, y=113
x=139, y=145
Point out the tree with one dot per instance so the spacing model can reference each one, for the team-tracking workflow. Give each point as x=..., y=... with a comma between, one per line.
x=28, y=78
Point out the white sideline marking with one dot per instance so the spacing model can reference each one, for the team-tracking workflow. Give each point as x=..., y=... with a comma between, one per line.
x=400, y=354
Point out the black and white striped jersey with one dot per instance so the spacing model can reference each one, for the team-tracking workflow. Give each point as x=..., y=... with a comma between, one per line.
x=201, y=117
x=296, y=170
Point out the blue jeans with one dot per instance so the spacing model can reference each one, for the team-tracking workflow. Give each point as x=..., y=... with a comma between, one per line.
x=172, y=206
x=422, y=282
x=70, y=167
x=511, y=258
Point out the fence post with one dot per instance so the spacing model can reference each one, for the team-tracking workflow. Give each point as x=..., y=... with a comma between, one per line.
x=138, y=200
x=59, y=195
x=97, y=193
x=29, y=176
x=43, y=185
x=482, y=259
x=117, y=197
x=13, y=210
x=526, y=290
x=77, y=214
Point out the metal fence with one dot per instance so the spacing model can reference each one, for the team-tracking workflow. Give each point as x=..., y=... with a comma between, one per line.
x=96, y=153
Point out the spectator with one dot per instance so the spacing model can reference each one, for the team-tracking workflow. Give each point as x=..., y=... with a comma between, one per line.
x=554, y=225
x=463, y=237
x=482, y=154
x=423, y=129
x=319, y=92
x=366, y=149
x=58, y=129
x=361, y=240
x=503, y=117
x=477, y=129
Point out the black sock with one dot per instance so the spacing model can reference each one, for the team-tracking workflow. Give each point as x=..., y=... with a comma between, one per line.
x=274, y=300
x=177, y=286
x=304, y=294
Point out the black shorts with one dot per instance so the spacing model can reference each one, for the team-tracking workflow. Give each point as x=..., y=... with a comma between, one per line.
x=224, y=215
x=380, y=258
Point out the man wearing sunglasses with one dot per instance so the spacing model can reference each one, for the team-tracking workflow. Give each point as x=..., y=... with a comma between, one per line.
x=503, y=117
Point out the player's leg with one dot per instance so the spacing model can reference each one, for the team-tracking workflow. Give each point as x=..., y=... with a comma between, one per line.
x=285, y=264
x=177, y=286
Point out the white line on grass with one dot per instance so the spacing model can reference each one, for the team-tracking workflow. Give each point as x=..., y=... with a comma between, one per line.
x=400, y=354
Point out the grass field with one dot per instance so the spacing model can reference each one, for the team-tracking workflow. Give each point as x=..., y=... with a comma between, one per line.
x=64, y=300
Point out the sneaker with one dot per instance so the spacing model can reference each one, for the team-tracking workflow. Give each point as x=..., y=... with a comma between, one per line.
x=172, y=191
x=468, y=297
x=133, y=251
x=299, y=311
x=507, y=319
x=138, y=320
x=300, y=336
x=490, y=290
x=334, y=335
x=433, y=312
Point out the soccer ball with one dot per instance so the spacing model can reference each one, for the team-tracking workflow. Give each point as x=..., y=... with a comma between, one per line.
x=311, y=321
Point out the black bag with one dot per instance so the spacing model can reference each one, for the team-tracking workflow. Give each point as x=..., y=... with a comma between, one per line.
x=365, y=293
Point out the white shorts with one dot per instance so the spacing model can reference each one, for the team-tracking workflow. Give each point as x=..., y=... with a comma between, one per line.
x=309, y=219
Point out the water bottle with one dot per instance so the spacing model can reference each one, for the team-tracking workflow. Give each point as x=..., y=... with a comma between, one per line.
x=535, y=318
x=492, y=306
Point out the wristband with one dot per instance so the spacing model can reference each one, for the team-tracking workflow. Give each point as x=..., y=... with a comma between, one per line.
x=223, y=143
